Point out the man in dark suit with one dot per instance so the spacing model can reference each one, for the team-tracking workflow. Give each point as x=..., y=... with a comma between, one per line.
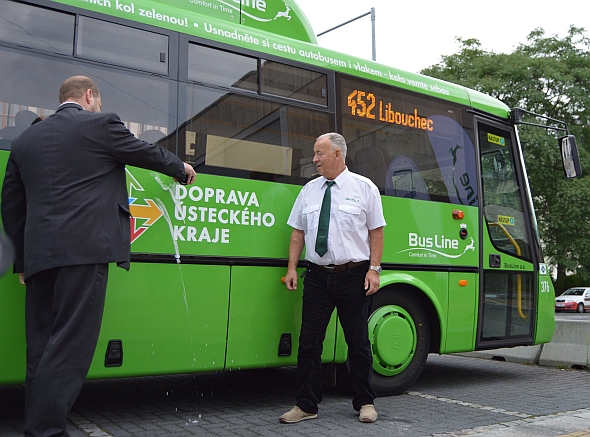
x=65, y=206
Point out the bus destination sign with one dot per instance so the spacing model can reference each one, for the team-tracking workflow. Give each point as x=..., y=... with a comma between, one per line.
x=363, y=104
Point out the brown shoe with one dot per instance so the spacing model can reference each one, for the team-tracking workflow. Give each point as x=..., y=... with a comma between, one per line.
x=295, y=415
x=368, y=414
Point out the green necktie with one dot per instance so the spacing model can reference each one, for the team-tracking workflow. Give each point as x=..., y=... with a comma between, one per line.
x=321, y=242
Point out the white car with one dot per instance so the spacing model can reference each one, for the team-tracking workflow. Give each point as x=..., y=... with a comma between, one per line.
x=573, y=299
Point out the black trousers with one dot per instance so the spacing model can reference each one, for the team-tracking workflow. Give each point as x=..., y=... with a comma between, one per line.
x=321, y=293
x=64, y=308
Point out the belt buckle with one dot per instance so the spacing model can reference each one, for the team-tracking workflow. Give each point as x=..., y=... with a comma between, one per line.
x=330, y=268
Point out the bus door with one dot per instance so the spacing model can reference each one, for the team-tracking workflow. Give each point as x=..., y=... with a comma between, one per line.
x=507, y=289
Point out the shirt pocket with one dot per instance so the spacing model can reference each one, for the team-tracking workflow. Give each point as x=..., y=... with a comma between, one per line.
x=310, y=217
x=350, y=217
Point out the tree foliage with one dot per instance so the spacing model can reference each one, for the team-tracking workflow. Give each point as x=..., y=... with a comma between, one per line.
x=547, y=75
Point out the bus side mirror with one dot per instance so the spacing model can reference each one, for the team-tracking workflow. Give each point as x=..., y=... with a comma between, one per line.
x=569, y=157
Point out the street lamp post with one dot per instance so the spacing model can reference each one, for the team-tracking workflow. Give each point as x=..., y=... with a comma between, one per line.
x=372, y=13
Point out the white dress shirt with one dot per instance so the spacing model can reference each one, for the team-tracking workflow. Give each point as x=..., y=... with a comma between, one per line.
x=355, y=209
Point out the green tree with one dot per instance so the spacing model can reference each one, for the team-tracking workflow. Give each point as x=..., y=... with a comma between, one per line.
x=550, y=76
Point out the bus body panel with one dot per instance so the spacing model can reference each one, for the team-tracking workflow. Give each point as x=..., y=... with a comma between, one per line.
x=171, y=318
x=282, y=17
x=463, y=299
x=262, y=310
x=215, y=216
x=13, y=348
x=425, y=233
x=12, y=319
x=433, y=285
x=545, y=310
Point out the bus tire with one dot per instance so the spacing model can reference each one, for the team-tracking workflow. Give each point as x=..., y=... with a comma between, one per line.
x=399, y=333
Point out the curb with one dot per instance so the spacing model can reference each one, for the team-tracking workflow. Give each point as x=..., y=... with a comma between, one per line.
x=569, y=349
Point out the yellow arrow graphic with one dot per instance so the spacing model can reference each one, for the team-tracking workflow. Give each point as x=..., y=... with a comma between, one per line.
x=151, y=212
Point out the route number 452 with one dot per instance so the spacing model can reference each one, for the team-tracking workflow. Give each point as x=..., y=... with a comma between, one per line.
x=358, y=106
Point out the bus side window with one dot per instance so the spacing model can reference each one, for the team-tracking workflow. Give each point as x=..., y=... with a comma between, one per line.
x=112, y=43
x=405, y=180
x=372, y=162
x=20, y=25
x=151, y=135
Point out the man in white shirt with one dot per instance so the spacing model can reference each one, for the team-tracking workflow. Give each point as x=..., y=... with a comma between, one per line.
x=344, y=255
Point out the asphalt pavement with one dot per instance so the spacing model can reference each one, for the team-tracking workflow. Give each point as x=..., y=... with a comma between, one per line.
x=455, y=396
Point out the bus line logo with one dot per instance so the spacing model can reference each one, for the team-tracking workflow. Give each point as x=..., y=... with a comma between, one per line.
x=432, y=246
x=143, y=214
x=248, y=8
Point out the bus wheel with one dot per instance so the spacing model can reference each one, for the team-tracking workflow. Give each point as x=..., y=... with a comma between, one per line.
x=400, y=340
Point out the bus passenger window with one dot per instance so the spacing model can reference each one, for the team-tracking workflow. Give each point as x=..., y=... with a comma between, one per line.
x=121, y=45
x=243, y=136
x=296, y=83
x=217, y=67
x=372, y=162
x=20, y=25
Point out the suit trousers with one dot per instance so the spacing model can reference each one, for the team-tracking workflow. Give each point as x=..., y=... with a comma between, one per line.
x=64, y=308
x=322, y=292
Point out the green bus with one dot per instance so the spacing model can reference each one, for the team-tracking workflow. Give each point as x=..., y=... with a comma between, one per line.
x=241, y=89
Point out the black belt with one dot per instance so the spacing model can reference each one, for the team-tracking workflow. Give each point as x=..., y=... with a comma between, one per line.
x=338, y=268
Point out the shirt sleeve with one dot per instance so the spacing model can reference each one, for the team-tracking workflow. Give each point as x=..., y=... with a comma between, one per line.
x=375, y=218
x=296, y=217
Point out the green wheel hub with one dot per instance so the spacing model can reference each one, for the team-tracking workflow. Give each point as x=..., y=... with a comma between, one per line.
x=393, y=338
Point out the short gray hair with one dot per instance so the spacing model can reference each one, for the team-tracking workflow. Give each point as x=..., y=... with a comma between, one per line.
x=337, y=141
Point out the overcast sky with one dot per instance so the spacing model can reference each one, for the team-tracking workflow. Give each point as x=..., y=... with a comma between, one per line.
x=412, y=35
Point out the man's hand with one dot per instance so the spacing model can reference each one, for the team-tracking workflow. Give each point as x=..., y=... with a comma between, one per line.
x=291, y=280
x=21, y=278
x=295, y=249
x=372, y=282
x=190, y=173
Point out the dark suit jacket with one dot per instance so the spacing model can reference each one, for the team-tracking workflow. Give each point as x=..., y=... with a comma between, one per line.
x=64, y=198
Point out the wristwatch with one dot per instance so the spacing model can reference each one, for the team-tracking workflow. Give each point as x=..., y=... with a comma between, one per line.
x=376, y=268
